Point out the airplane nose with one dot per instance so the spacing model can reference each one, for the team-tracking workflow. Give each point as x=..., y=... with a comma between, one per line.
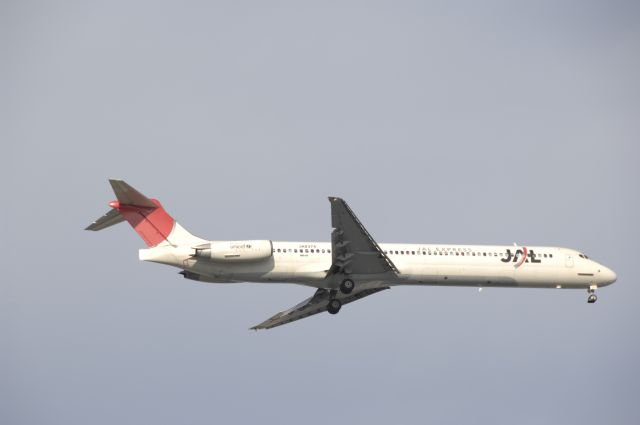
x=607, y=275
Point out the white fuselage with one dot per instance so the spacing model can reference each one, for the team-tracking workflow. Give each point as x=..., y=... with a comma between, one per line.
x=307, y=263
x=352, y=266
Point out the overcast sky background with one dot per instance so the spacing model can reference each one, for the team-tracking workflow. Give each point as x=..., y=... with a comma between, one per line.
x=445, y=122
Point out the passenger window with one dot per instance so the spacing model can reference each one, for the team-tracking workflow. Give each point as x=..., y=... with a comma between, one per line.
x=413, y=253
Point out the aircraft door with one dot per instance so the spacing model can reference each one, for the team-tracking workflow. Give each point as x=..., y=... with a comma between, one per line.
x=568, y=260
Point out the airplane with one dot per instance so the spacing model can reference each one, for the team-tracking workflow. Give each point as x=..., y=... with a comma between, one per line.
x=350, y=267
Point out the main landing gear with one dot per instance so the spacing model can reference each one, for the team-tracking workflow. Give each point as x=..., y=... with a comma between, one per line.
x=592, y=295
x=347, y=285
x=334, y=306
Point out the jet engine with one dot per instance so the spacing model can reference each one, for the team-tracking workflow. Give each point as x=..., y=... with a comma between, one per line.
x=235, y=251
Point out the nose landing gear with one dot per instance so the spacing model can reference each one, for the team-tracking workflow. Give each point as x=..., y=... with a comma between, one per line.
x=592, y=298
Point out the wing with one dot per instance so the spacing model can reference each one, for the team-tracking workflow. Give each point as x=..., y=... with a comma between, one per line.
x=314, y=305
x=354, y=250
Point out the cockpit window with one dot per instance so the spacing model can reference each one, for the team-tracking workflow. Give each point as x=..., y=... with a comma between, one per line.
x=583, y=256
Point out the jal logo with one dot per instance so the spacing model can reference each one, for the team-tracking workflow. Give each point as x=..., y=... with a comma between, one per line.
x=520, y=257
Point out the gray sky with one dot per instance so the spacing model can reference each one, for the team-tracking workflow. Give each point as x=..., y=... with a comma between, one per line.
x=440, y=122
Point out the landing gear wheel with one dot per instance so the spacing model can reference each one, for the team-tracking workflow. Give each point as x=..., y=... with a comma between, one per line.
x=334, y=306
x=592, y=298
x=347, y=285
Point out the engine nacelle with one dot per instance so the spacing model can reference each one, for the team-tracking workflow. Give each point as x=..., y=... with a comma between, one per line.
x=235, y=251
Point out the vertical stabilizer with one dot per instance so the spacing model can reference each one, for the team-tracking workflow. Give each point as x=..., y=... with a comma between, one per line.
x=147, y=217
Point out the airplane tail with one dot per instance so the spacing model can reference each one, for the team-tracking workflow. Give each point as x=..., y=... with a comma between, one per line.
x=147, y=217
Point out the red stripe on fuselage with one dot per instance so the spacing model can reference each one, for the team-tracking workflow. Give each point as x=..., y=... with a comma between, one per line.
x=524, y=257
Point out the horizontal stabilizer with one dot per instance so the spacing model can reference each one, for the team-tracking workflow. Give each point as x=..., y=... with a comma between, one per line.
x=129, y=196
x=107, y=220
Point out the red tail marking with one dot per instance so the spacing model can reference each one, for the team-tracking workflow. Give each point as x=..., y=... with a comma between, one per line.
x=152, y=224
